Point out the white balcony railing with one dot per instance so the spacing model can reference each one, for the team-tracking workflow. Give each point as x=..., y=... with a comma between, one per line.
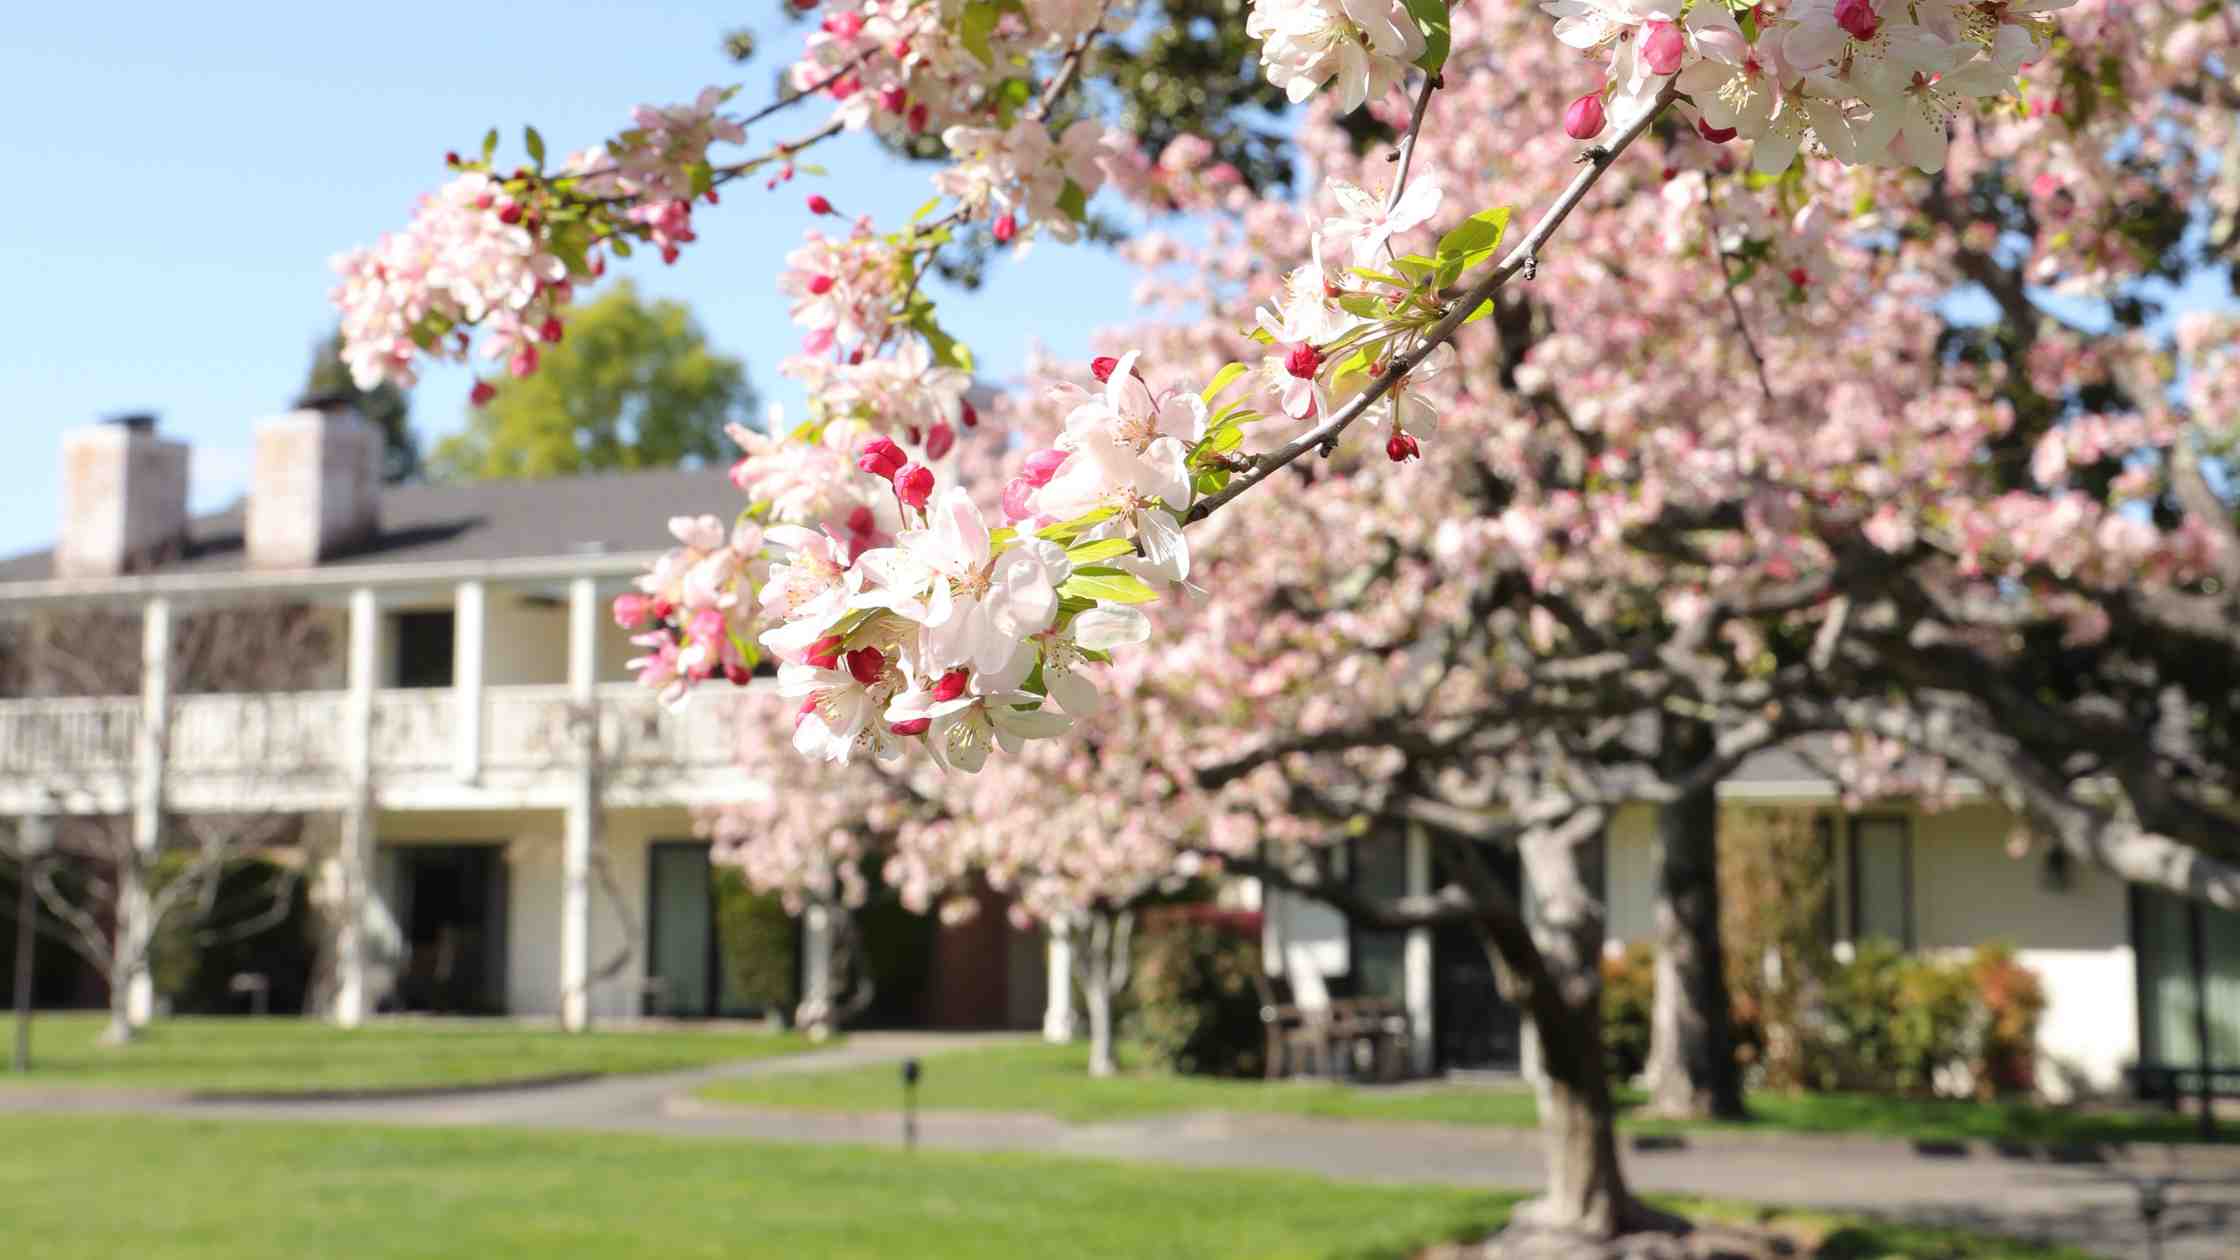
x=526, y=729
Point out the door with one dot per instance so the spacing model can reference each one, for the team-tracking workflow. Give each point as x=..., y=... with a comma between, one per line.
x=1475, y=1027
x=452, y=907
x=681, y=923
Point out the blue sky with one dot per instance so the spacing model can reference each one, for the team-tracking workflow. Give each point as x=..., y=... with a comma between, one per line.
x=185, y=172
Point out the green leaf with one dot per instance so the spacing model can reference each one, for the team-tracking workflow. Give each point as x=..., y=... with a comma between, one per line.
x=926, y=209
x=535, y=145
x=1431, y=15
x=1066, y=531
x=1476, y=239
x=1362, y=306
x=1074, y=202
x=1485, y=308
x=620, y=246
x=1222, y=380
x=1102, y=549
x=1108, y=583
x=974, y=28
x=489, y=144
x=1414, y=266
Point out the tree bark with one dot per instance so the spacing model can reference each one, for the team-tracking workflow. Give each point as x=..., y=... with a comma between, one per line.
x=1691, y=1071
x=1101, y=966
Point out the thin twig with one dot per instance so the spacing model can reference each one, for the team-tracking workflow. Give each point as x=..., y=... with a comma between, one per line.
x=1734, y=305
x=1526, y=253
x=1405, y=155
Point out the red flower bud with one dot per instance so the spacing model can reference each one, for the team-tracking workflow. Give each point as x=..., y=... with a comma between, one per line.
x=820, y=285
x=482, y=392
x=971, y=416
x=737, y=675
x=881, y=458
x=825, y=652
x=510, y=212
x=914, y=726
x=663, y=610
x=1716, y=135
x=1858, y=18
x=844, y=25
x=1102, y=366
x=451, y=158
x=950, y=685
x=1303, y=361
x=893, y=99
x=1799, y=277
x=1401, y=447
x=1583, y=119
x=549, y=331
x=1006, y=227
x=818, y=204
x=914, y=485
x=867, y=664
x=940, y=441
x=861, y=521
x=915, y=120
x=1664, y=48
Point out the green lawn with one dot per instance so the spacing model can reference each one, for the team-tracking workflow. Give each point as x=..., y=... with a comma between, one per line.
x=1054, y=1080
x=290, y=1055
x=88, y=1187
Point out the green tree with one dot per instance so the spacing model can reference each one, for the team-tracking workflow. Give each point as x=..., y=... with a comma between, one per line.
x=632, y=384
x=386, y=405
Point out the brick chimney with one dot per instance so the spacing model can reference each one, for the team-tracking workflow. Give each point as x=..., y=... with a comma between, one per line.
x=124, y=498
x=314, y=486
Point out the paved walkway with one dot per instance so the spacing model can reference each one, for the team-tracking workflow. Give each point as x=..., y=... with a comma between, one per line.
x=2093, y=1204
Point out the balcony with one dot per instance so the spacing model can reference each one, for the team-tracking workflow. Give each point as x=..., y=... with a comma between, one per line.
x=291, y=750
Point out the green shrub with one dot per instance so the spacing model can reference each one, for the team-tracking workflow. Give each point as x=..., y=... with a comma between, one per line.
x=757, y=938
x=1197, y=1006
x=2012, y=1000
x=1629, y=985
x=254, y=918
x=1908, y=1024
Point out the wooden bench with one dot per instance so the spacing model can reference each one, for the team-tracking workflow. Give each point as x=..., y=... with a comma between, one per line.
x=1316, y=1034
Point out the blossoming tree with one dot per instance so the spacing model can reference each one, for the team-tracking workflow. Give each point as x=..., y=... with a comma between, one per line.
x=1697, y=449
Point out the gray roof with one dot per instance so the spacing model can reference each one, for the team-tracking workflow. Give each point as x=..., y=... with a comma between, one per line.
x=442, y=522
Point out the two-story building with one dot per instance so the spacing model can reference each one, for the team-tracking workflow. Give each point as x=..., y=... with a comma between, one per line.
x=489, y=782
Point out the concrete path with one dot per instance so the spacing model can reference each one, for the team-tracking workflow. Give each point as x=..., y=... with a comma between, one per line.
x=2090, y=1203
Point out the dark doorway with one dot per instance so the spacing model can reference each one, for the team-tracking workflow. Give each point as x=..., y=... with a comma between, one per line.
x=454, y=920
x=1475, y=1028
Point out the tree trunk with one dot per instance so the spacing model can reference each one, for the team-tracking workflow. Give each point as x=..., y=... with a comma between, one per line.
x=128, y=954
x=1586, y=1198
x=1691, y=1071
x=1100, y=961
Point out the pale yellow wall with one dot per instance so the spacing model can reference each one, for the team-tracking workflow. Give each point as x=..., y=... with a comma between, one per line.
x=1629, y=873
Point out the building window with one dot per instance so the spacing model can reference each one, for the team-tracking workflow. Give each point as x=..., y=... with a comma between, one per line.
x=425, y=641
x=2189, y=981
x=1882, y=880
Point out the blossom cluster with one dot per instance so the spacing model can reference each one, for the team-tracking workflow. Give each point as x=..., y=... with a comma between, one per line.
x=1874, y=82
x=1365, y=46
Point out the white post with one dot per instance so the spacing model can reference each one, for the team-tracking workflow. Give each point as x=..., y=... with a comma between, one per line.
x=583, y=808
x=352, y=1001
x=1416, y=958
x=133, y=910
x=466, y=681
x=1057, y=1015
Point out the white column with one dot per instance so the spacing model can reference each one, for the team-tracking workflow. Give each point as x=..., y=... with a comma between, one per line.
x=583, y=807
x=1416, y=958
x=154, y=747
x=467, y=650
x=1057, y=1016
x=353, y=1001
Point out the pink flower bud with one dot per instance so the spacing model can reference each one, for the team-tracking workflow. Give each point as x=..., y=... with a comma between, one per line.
x=1041, y=466
x=881, y=458
x=1664, y=48
x=523, y=363
x=818, y=204
x=1006, y=227
x=1858, y=18
x=893, y=99
x=940, y=441
x=914, y=485
x=1584, y=119
x=707, y=625
x=820, y=285
x=1303, y=361
x=1401, y=447
x=913, y=726
x=866, y=665
x=950, y=685
x=809, y=705
x=630, y=609
x=482, y=392
x=844, y=25
x=1716, y=135
x=971, y=416
x=1016, y=492
x=1102, y=367
x=825, y=652
x=915, y=120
